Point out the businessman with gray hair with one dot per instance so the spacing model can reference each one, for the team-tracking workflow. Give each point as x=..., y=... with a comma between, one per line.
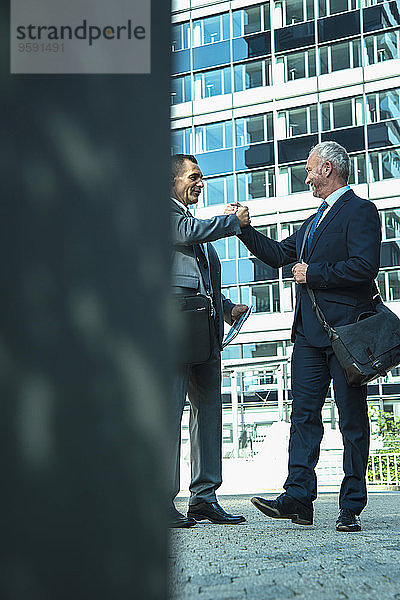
x=341, y=261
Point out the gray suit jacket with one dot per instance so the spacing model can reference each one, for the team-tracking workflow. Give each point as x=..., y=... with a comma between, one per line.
x=190, y=271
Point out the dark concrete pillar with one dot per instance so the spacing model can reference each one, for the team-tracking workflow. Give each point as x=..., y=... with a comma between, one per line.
x=84, y=250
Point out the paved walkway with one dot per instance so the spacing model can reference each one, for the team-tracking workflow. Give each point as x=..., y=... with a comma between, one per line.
x=265, y=559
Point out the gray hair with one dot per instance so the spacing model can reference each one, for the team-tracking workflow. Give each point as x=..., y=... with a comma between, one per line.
x=335, y=154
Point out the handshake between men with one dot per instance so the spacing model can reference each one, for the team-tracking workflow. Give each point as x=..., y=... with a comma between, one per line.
x=242, y=212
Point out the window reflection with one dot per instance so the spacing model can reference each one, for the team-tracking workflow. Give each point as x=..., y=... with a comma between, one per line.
x=181, y=89
x=180, y=37
x=251, y=75
x=383, y=105
x=218, y=190
x=384, y=165
x=342, y=113
x=332, y=7
x=214, y=136
x=299, y=65
x=358, y=170
x=181, y=141
x=255, y=184
x=392, y=224
x=254, y=129
x=251, y=20
x=211, y=30
x=300, y=121
x=382, y=47
x=212, y=83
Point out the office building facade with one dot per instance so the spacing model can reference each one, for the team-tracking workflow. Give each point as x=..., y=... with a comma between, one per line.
x=254, y=87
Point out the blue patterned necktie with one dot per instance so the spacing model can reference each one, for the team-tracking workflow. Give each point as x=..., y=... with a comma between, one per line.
x=324, y=205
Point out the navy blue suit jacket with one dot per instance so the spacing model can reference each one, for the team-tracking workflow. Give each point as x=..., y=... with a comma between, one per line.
x=343, y=262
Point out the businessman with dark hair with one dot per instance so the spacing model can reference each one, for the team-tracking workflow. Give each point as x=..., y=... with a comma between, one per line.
x=196, y=268
x=341, y=261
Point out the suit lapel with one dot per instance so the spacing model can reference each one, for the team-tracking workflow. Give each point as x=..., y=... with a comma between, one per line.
x=331, y=215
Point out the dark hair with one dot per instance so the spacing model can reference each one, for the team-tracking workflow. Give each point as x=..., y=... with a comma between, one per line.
x=177, y=162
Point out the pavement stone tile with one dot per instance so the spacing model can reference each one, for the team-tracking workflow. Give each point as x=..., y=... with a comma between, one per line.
x=266, y=559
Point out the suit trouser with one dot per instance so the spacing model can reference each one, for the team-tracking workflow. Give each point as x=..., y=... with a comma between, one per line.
x=312, y=370
x=202, y=384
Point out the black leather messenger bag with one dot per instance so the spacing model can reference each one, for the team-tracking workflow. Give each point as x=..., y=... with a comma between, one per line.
x=194, y=331
x=368, y=348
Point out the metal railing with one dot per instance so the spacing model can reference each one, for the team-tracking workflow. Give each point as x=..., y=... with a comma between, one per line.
x=384, y=469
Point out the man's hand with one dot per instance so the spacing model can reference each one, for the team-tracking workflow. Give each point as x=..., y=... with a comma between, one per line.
x=243, y=216
x=242, y=213
x=238, y=310
x=231, y=209
x=300, y=272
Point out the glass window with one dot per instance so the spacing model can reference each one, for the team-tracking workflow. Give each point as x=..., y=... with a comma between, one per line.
x=383, y=105
x=300, y=65
x=394, y=285
x=324, y=66
x=300, y=121
x=358, y=171
x=392, y=224
x=270, y=231
x=211, y=30
x=252, y=75
x=255, y=184
x=181, y=89
x=387, y=46
x=384, y=165
x=266, y=349
x=340, y=56
x=213, y=136
x=220, y=247
x=297, y=178
x=251, y=20
x=342, y=113
x=254, y=129
x=326, y=116
x=289, y=228
x=389, y=104
x=331, y=7
x=232, y=293
x=249, y=130
x=391, y=164
x=181, y=141
x=265, y=297
x=294, y=12
x=337, y=6
x=310, y=9
x=180, y=37
x=231, y=352
x=289, y=296
x=212, y=83
x=297, y=122
x=229, y=272
x=218, y=190
x=382, y=47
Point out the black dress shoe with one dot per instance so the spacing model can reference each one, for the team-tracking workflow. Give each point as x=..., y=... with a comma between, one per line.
x=213, y=512
x=285, y=507
x=348, y=521
x=177, y=519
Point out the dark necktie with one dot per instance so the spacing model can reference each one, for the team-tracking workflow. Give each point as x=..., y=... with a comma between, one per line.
x=324, y=205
